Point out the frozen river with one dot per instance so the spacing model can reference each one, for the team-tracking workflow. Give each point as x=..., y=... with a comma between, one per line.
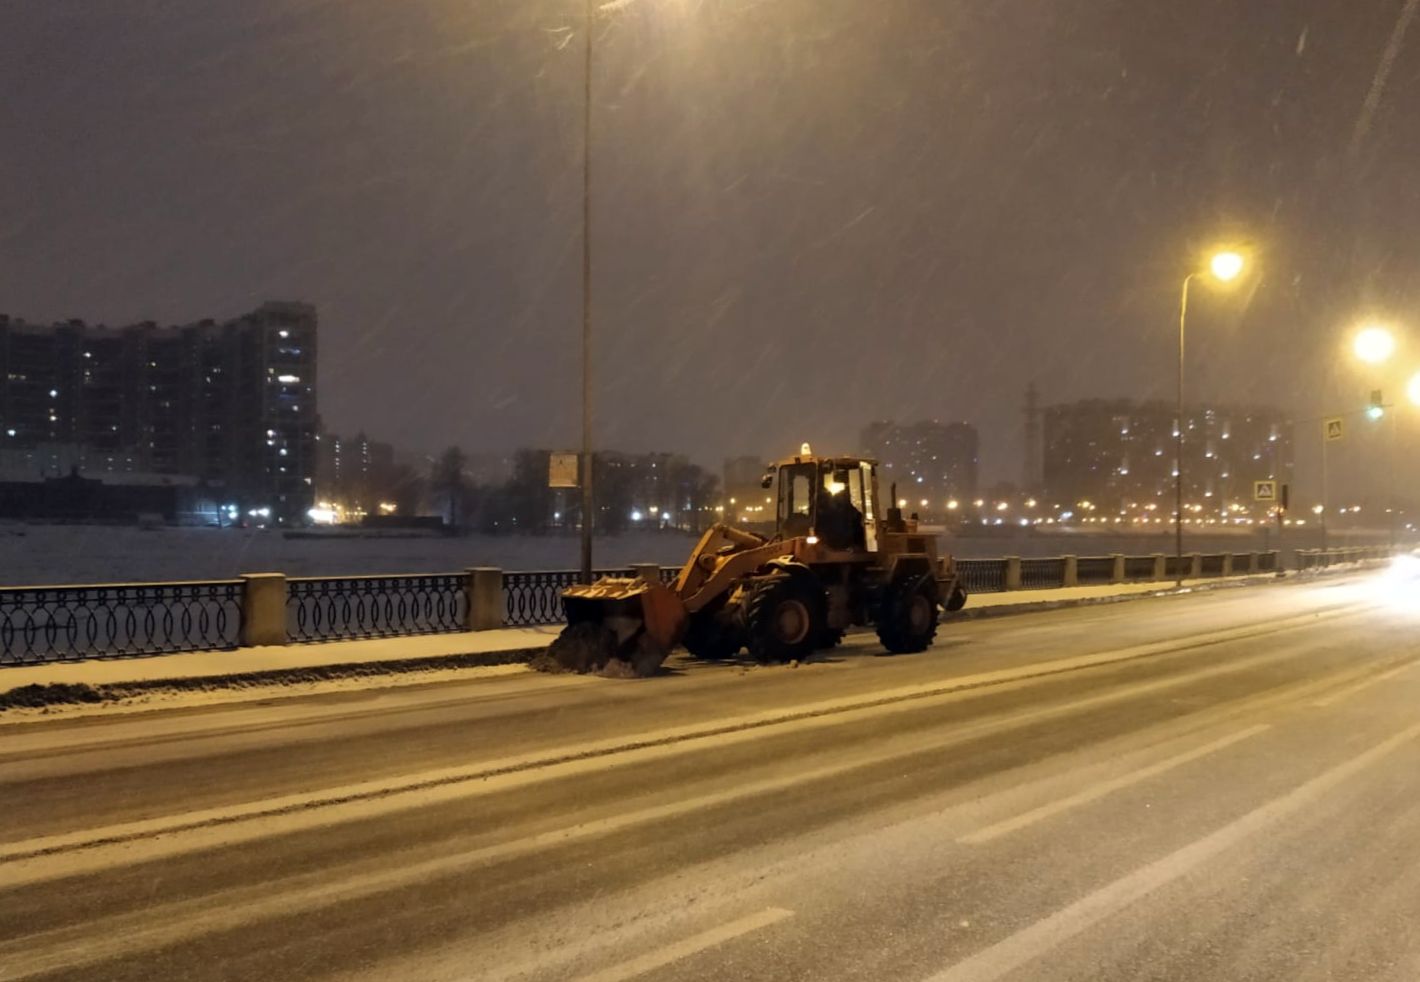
x=53, y=554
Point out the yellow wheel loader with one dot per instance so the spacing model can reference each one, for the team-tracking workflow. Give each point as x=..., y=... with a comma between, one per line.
x=837, y=559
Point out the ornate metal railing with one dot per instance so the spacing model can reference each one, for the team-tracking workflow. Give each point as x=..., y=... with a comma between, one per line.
x=1042, y=574
x=39, y=624
x=1138, y=567
x=60, y=623
x=1176, y=566
x=982, y=575
x=1092, y=570
x=330, y=608
x=536, y=597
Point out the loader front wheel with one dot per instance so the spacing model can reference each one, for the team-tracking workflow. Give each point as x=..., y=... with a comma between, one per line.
x=907, y=622
x=785, y=618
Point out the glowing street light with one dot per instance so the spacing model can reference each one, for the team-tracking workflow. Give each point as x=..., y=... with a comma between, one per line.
x=1374, y=344
x=1225, y=266
x=1412, y=390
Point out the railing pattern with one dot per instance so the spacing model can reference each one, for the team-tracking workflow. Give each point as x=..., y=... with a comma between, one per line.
x=332, y=608
x=536, y=597
x=62, y=623
x=40, y=624
x=982, y=575
x=1321, y=558
x=1095, y=569
x=1138, y=567
x=1042, y=574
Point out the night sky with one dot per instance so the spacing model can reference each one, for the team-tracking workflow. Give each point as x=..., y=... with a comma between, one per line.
x=808, y=213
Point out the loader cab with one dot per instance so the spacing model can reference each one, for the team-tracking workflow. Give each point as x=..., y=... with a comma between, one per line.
x=835, y=499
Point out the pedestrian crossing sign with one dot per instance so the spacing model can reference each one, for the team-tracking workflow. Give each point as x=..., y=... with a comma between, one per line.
x=1334, y=428
x=1264, y=490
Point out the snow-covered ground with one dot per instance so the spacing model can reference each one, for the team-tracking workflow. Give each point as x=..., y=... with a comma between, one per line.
x=54, y=554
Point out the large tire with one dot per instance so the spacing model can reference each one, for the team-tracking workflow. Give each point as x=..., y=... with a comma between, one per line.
x=708, y=638
x=907, y=620
x=785, y=618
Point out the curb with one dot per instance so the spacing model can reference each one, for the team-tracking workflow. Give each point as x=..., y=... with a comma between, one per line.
x=1164, y=590
x=39, y=695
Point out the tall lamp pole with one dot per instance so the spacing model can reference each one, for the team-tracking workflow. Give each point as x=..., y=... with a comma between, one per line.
x=1225, y=267
x=1178, y=441
x=588, y=508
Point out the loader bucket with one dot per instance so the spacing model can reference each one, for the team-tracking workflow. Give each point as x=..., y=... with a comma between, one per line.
x=618, y=627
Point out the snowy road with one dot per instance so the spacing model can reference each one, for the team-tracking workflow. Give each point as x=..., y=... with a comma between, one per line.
x=1216, y=786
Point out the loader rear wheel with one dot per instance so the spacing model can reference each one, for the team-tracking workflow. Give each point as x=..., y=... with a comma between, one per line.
x=785, y=618
x=907, y=622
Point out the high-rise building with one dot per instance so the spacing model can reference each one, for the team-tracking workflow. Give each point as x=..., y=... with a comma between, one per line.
x=233, y=404
x=1119, y=455
x=355, y=472
x=928, y=461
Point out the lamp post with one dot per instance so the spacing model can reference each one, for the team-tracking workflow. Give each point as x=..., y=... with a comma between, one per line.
x=588, y=508
x=1225, y=267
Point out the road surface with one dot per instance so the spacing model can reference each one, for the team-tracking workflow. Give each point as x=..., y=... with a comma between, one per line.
x=1223, y=785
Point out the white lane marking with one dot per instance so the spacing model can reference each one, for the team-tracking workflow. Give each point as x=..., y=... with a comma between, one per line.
x=1009, y=825
x=1360, y=686
x=71, y=854
x=1030, y=943
x=693, y=945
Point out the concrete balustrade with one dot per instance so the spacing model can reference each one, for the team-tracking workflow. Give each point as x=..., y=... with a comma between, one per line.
x=263, y=609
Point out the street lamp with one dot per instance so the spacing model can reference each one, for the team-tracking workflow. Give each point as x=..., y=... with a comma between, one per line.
x=1374, y=344
x=1225, y=266
x=588, y=508
x=1412, y=389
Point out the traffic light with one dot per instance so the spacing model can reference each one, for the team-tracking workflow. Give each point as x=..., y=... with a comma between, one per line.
x=1376, y=408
